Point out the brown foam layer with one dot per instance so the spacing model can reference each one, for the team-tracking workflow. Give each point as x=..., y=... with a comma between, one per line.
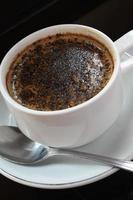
x=59, y=72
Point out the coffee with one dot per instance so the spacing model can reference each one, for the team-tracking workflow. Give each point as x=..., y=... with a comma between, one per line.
x=59, y=72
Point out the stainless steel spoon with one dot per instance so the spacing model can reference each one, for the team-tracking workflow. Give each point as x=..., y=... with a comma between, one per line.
x=17, y=148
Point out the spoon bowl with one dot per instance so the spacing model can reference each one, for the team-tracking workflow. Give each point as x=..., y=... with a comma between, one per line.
x=16, y=147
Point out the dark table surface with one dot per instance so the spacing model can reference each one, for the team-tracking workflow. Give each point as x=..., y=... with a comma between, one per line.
x=113, y=17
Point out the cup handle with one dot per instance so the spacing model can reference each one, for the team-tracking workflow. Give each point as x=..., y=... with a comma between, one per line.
x=123, y=44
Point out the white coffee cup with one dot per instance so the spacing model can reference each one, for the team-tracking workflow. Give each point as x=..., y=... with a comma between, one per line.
x=83, y=123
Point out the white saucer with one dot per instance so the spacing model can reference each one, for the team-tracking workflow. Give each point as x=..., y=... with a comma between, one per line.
x=66, y=172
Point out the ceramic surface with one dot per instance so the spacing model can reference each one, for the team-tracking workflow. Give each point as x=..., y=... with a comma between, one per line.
x=66, y=172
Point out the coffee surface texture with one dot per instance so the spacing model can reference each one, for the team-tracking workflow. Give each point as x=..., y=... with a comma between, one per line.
x=59, y=72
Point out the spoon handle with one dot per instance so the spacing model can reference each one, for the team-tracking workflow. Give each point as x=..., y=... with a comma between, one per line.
x=122, y=164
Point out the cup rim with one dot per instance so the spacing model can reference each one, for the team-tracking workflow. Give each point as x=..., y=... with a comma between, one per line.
x=24, y=109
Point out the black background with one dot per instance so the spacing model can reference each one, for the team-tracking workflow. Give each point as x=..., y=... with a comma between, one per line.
x=20, y=18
